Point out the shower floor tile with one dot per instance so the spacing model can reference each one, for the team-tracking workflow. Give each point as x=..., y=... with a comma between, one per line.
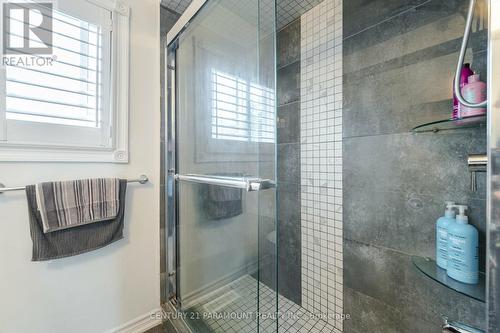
x=233, y=308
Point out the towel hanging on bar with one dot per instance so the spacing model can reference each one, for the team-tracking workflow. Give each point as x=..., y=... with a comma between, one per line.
x=67, y=204
x=72, y=241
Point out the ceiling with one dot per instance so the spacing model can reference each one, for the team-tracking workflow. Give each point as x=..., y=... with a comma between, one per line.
x=287, y=10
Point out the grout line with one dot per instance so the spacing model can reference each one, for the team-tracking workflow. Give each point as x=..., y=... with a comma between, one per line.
x=409, y=132
x=289, y=103
x=382, y=247
x=288, y=24
x=289, y=64
x=387, y=19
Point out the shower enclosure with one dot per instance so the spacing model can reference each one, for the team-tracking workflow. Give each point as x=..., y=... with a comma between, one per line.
x=221, y=163
x=309, y=152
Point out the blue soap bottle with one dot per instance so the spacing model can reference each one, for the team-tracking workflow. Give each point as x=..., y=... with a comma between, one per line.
x=442, y=225
x=463, y=256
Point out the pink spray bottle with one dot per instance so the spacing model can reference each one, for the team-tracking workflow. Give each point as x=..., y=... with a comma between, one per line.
x=464, y=79
x=473, y=92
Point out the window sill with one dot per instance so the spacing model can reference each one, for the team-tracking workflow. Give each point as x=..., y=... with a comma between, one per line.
x=33, y=153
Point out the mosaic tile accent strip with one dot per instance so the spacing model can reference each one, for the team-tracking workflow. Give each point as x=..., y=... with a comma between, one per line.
x=321, y=160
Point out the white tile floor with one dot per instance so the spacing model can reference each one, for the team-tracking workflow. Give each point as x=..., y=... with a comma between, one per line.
x=233, y=308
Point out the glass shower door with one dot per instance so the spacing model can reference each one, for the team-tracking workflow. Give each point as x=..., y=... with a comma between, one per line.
x=224, y=167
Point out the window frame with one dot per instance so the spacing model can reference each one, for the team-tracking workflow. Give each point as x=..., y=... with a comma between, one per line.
x=117, y=151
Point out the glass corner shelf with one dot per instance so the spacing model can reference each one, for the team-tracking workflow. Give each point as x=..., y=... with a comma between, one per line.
x=429, y=268
x=451, y=124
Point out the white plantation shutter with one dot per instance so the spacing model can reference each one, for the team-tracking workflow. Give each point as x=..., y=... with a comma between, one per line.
x=67, y=102
x=241, y=110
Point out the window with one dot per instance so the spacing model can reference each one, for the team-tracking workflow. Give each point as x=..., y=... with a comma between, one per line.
x=241, y=110
x=71, y=102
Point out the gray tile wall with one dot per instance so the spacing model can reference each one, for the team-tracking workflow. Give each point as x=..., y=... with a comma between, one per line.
x=288, y=162
x=288, y=173
x=288, y=258
x=399, y=58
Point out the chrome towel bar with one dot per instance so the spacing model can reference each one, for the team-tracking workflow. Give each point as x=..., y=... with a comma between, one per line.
x=246, y=183
x=143, y=179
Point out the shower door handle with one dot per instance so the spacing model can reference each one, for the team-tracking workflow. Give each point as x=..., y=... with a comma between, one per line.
x=248, y=184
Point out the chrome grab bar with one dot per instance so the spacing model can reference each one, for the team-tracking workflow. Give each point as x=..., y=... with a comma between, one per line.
x=463, y=50
x=248, y=184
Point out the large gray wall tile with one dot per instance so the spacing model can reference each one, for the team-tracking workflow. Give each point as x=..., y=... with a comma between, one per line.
x=395, y=187
x=403, y=221
x=289, y=123
x=396, y=100
x=446, y=15
x=288, y=197
x=288, y=40
x=288, y=256
x=399, y=73
x=289, y=241
x=289, y=84
x=289, y=162
x=289, y=278
x=371, y=315
x=427, y=163
x=362, y=14
x=394, y=281
x=399, y=58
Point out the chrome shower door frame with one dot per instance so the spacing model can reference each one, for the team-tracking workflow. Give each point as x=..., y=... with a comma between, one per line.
x=493, y=174
x=171, y=166
x=170, y=121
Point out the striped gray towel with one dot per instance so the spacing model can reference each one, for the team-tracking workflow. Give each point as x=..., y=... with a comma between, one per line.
x=72, y=241
x=73, y=203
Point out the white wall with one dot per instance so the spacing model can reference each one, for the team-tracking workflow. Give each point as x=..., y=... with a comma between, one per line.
x=104, y=289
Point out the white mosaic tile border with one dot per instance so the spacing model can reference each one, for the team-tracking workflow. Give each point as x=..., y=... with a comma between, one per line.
x=321, y=160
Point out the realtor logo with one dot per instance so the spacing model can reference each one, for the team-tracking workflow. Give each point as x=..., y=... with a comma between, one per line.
x=27, y=28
